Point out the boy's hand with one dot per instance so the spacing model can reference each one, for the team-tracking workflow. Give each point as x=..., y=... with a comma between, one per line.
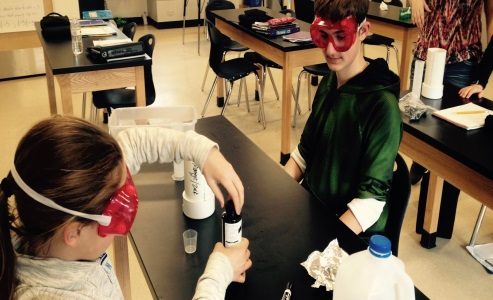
x=239, y=257
x=217, y=170
x=418, y=8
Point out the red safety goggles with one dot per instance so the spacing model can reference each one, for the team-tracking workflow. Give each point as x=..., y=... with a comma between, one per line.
x=341, y=34
x=117, y=217
x=122, y=208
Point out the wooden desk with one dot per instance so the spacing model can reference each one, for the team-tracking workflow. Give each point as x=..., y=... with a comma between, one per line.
x=286, y=54
x=78, y=74
x=461, y=157
x=387, y=23
x=284, y=225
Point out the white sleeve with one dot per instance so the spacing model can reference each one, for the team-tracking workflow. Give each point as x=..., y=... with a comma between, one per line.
x=366, y=211
x=217, y=276
x=300, y=161
x=150, y=144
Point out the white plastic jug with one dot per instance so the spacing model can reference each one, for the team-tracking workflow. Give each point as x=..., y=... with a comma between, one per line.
x=373, y=274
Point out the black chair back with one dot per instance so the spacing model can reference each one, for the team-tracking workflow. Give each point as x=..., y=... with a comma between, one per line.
x=217, y=5
x=88, y=5
x=217, y=46
x=129, y=30
x=304, y=10
x=398, y=200
x=275, y=5
x=149, y=41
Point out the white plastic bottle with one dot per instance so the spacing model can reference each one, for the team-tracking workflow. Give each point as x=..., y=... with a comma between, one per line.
x=373, y=274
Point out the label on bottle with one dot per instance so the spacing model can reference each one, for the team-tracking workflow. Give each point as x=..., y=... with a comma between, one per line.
x=231, y=233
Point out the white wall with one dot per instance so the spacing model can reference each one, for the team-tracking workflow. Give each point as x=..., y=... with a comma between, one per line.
x=172, y=10
x=66, y=7
x=119, y=8
x=127, y=8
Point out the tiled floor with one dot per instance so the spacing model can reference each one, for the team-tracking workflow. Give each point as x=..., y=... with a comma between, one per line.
x=445, y=272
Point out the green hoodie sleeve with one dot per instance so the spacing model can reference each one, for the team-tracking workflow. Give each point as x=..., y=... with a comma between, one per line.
x=382, y=132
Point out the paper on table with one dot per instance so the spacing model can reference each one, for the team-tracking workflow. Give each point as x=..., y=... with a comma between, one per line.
x=110, y=42
x=298, y=37
x=468, y=116
x=98, y=30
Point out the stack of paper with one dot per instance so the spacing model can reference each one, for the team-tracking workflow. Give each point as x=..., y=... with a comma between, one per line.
x=111, y=42
x=98, y=31
x=85, y=23
x=468, y=116
x=298, y=37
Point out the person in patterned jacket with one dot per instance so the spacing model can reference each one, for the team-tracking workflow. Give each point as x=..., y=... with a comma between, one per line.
x=453, y=25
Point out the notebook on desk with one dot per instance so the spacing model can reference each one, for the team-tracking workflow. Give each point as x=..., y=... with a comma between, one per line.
x=468, y=116
x=104, y=14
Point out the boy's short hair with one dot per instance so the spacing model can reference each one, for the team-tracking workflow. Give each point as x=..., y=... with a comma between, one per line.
x=336, y=10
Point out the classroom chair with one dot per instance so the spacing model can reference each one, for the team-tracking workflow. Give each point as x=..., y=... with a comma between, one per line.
x=229, y=44
x=229, y=70
x=384, y=41
x=129, y=30
x=311, y=70
x=400, y=191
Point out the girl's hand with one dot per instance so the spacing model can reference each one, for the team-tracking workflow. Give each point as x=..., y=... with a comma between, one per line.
x=418, y=8
x=468, y=91
x=217, y=170
x=239, y=257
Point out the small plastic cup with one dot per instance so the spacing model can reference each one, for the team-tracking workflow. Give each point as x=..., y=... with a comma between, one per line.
x=190, y=241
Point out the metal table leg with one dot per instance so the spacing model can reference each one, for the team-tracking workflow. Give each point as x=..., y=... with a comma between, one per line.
x=475, y=232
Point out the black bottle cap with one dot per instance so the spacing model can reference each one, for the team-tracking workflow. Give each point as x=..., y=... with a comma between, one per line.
x=230, y=208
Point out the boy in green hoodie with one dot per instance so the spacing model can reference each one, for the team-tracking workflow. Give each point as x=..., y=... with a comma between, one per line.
x=348, y=146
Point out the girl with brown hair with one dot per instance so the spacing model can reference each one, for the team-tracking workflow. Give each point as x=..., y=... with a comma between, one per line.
x=73, y=192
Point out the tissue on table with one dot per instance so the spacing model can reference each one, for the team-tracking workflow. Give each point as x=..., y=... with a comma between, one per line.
x=383, y=6
x=322, y=266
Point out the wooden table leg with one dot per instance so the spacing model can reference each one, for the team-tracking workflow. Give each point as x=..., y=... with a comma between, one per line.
x=220, y=92
x=66, y=94
x=140, y=94
x=50, y=82
x=410, y=37
x=432, y=211
x=122, y=269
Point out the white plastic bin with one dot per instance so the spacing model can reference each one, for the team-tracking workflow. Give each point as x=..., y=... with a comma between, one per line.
x=177, y=117
x=181, y=118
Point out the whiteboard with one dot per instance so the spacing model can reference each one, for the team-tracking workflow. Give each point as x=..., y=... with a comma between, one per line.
x=20, y=15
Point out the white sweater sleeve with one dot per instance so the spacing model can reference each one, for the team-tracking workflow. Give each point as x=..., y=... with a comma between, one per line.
x=366, y=211
x=300, y=161
x=217, y=276
x=150, y=144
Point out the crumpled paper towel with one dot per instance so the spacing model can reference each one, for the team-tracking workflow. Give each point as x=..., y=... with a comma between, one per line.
x=383, y=6
x=323, y=265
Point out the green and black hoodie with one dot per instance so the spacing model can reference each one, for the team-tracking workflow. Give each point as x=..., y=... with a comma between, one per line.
x=351, y=139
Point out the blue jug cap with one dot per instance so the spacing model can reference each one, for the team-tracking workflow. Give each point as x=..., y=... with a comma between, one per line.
x=380, y=246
